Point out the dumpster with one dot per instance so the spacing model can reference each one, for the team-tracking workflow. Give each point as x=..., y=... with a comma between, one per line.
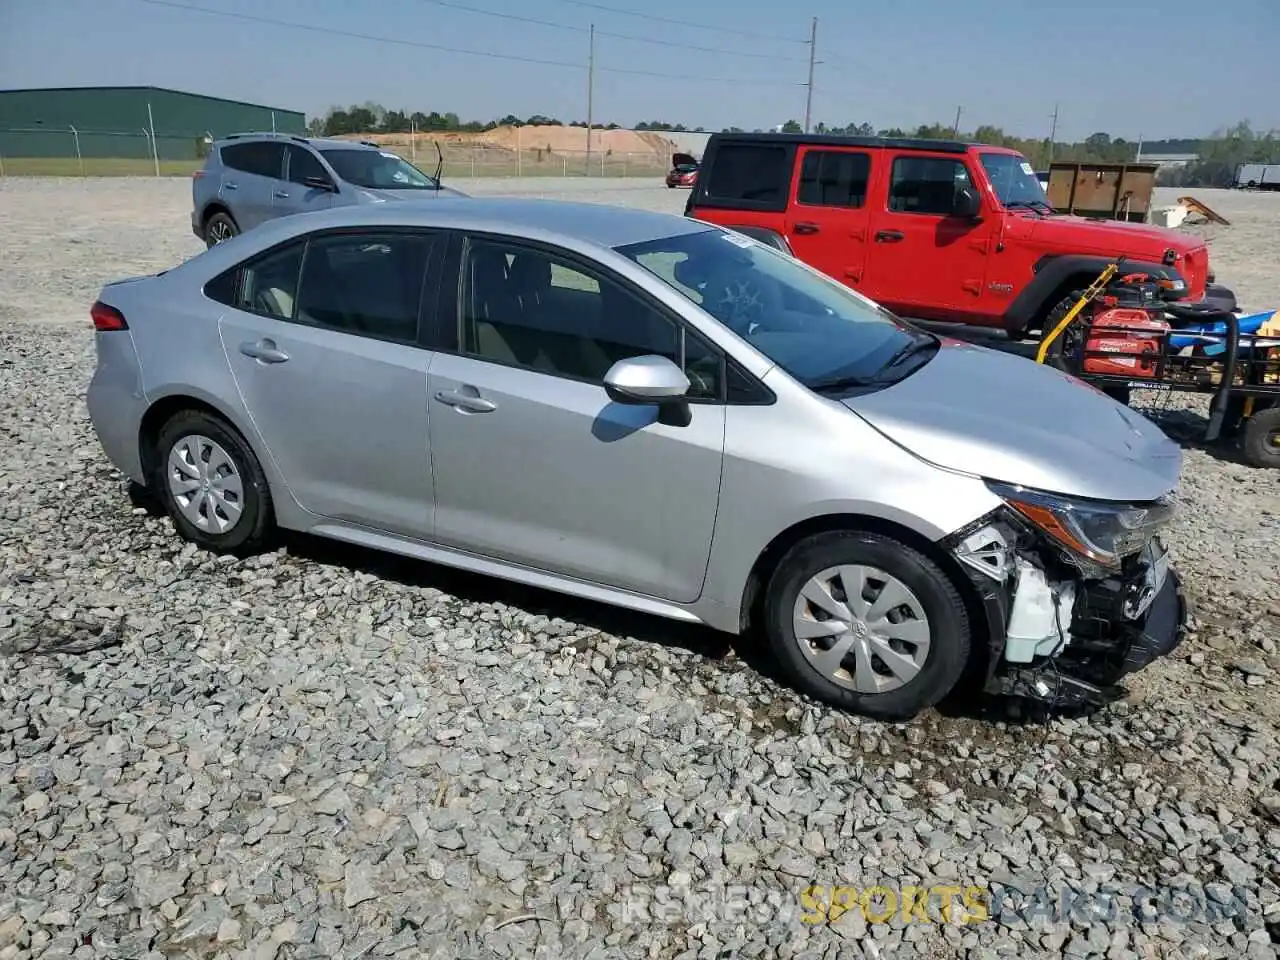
x=1103, y=191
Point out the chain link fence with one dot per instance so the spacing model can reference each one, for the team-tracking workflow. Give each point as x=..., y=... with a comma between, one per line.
x=70, y=152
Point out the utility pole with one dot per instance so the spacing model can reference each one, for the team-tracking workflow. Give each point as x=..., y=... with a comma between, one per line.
x=591, y=84
x=1053, y=132
x=808, y=95
x=1138, y=158
x=955, y=127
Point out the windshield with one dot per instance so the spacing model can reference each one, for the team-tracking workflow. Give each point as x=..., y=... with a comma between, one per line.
x=818, y=331
x=377, y=170
x=1015, y=183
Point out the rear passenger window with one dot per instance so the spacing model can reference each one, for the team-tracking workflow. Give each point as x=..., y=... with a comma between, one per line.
x=269, y=286
x=525, y=308
x=756, y=174
x=926, y=185
x=832, y=178
x=259, y=157
x=369, y=285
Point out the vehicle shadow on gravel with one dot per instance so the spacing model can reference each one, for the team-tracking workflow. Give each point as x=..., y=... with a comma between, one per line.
x=967, y=704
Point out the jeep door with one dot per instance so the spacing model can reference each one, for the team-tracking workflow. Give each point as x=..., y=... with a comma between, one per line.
x=828, y=218
x=926, y=261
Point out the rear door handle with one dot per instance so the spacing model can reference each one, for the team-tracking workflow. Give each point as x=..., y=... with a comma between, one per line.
x=889, y=236
x=264, y=351
x=230, y=185
x=281, y=195
x=804, y=228
x=466, y=402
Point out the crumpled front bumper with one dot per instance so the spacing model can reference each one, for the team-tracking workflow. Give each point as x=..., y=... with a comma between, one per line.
x=1110, y=626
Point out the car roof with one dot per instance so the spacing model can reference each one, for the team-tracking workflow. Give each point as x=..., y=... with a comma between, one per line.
x=836, y=140
x=317, y=142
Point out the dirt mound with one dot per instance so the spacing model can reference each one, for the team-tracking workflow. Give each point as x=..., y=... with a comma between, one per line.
x=568, y=140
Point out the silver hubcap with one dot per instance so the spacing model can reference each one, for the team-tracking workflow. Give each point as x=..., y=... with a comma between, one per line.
x=861, y=628
x=205, y=484
x=220, y=230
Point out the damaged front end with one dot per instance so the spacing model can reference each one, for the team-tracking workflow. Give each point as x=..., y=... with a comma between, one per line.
x=1077, y=593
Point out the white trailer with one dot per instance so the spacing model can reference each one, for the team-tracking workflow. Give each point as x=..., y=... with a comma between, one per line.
x=1258, y=176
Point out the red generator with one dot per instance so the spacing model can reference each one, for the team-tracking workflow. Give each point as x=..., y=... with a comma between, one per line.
x=1126, y=325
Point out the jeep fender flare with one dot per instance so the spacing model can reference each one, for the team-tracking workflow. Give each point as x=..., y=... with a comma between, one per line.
x=1056, y=275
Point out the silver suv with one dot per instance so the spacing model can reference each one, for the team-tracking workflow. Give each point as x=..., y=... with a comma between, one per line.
x=253, y=177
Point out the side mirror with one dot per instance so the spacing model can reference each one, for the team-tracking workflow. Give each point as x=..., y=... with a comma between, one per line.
x=648, y=379
x=319, y=183
x=968, y=204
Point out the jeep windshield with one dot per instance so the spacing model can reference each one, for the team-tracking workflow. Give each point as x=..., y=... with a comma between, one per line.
x=376, y=170
x=1015, y=182
x=820, y=332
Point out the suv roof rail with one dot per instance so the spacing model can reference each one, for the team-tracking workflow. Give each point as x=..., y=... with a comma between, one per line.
x=264, y=133
x=841, y=140
x=367, y=143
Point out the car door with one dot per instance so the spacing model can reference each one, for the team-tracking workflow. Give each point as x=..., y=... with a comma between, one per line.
x=924, y=261
x=533, y=463
x=322, y=339
x=254, y=168
x=293, y=194
x=828, y=219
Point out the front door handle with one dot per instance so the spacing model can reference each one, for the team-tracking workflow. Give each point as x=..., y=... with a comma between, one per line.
x=805, y=228
x=889, y=236
x=466, y=402
x=264, y=351
x=281, y=195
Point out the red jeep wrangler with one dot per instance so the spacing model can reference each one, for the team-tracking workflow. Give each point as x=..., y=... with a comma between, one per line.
x=932, y=230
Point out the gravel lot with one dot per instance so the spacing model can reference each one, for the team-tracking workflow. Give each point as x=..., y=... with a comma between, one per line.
x=329, y=753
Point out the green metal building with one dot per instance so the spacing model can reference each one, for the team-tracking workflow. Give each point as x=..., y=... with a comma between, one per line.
x=141, y=123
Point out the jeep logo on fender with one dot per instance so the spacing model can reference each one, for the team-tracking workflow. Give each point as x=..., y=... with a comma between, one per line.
x=1000, y=287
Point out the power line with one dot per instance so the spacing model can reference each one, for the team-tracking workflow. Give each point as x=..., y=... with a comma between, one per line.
x=643, y=15
x=419, y=44
x=609, y=33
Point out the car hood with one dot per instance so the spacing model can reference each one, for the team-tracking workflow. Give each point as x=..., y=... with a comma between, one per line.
x=1116, y=236
x=1003, y=417
x=678, y=159
x=382, y=195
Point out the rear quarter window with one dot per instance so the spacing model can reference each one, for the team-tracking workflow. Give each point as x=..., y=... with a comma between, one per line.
x=748, y=176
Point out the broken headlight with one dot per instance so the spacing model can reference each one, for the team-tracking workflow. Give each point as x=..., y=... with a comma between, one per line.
x=1100, y=532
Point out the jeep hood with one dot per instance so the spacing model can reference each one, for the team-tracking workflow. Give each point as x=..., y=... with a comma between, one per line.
x=1113, y=236
x=995, y=415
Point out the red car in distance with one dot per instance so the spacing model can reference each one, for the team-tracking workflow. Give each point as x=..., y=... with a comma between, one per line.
x=684, y=170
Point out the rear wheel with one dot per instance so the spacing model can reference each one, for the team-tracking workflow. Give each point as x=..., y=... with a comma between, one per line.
x=218, y=228
x=1260, y=438
x=866, y=623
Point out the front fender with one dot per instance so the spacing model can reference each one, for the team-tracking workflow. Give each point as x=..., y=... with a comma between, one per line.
x=1052, y=273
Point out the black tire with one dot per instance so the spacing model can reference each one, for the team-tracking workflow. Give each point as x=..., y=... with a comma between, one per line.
x=1260, y=438
x=219, y=227
x=250, y=531
x=944, y=610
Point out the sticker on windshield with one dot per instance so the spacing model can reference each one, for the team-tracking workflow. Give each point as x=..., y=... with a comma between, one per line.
x=1026, y=168
x=738, y=240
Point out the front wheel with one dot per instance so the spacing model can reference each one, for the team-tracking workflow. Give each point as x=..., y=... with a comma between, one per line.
x=211, y=484
x=866, y=623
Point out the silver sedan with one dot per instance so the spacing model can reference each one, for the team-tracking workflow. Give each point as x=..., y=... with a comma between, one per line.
x=659, y=414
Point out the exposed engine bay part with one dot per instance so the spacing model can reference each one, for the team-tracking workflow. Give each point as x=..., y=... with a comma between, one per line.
x=1039, y=621
x=1065, y=630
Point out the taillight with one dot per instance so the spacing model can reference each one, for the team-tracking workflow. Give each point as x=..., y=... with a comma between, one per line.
x=107, y=318
x=197, y=175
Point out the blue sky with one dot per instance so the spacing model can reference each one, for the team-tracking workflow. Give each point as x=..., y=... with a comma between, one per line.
x=888, y=62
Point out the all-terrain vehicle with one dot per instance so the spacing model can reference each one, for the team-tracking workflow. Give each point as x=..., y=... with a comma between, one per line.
x=931, y=229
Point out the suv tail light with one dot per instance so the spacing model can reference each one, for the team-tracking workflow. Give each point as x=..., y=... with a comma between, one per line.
x=107, y=318
x=198, y=174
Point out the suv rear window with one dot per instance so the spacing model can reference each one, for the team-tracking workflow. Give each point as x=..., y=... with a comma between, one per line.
x=834, y=178
x=750, y=174
x=258, y=156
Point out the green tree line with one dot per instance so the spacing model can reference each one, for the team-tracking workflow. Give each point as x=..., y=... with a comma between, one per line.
x=1219, y=154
